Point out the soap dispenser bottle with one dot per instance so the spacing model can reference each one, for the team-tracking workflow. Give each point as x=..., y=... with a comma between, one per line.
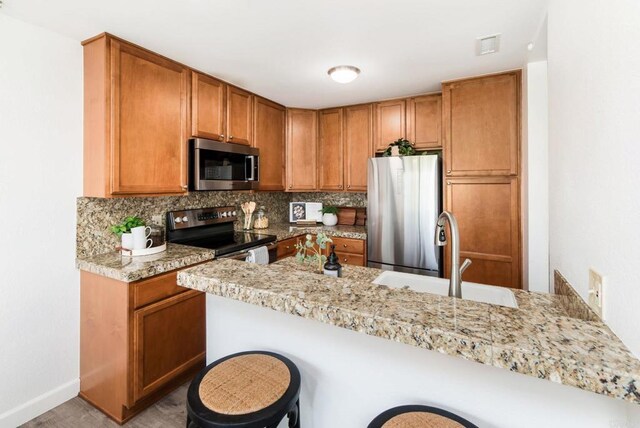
x=333, y=267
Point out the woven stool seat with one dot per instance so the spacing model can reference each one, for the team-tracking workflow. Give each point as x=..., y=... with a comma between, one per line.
x=416, y=416
x=255, y=389
x=244, y=384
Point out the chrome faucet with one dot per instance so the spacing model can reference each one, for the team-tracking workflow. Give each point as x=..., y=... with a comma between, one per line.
x=455, y=280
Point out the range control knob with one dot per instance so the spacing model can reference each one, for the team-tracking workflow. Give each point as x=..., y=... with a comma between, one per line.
x=234, y=214
x=185, y=219
x=229, y=214
x=223, y=214
x=178, y=220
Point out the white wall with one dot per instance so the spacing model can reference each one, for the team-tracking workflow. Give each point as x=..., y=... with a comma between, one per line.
x=535, y=185
x=40, y=177
x=594, y=152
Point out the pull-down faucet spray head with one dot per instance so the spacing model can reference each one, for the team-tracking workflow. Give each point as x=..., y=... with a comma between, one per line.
x=440, y=237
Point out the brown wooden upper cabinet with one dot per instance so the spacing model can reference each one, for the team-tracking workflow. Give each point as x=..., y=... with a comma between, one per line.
x=330, y=150
x=207, y=107
x=135, y=120
x=219, y=111
x=424, y=121
x=358, y=143
x=301, y=149
x=481, y=119
x=239, y=116
x=390, y=123
x=268, y=136
x=487, y=212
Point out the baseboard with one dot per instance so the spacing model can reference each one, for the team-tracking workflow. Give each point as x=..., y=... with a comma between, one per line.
x=37, y=406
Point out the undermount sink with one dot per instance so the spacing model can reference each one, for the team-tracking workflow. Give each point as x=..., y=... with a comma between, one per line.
x=428, y=284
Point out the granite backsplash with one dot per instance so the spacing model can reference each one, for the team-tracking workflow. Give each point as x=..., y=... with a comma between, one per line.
x=96, y=215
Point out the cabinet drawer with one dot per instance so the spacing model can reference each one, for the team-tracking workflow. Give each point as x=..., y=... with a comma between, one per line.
x=351, y=259
x=287, y=248
x=349, y=245
x=156, y=288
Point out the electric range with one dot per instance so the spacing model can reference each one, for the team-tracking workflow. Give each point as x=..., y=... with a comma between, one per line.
x=213, y=228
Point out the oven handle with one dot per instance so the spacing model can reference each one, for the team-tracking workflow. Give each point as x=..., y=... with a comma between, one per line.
x=241, y=255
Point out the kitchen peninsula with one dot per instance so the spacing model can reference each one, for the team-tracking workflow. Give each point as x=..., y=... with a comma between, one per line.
x=348, y=375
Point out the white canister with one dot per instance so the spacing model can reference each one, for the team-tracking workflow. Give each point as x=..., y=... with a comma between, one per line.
x=329, y=219
x=141, y=237
x=127, y=241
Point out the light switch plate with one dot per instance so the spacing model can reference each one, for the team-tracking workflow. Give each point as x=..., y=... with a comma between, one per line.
x=596, y=292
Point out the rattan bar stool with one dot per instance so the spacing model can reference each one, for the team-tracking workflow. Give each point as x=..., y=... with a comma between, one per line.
x=416, y=416
x=254, y=389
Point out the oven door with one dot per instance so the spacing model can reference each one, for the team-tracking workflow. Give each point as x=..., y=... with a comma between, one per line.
x=222, y=166
x=242, y=255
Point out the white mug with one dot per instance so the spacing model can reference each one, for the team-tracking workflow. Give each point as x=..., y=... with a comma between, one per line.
x=127, y=241
x=140, y=235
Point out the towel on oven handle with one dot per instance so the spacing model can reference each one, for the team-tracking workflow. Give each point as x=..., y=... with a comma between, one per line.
x=258, y=255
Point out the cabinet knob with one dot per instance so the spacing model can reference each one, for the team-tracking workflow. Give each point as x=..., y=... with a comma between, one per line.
x=448, y=171
x=448, y=183
x=184, y=187
x=345, y=260
x=231, y=137
x=290, y=186
x=348, y=186
x=344, y=245
x=221, y=135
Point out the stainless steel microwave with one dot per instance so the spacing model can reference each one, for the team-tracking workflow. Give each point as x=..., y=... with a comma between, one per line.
x=222, y=166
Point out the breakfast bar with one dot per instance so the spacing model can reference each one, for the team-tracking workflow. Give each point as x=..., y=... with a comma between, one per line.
x=349, y=375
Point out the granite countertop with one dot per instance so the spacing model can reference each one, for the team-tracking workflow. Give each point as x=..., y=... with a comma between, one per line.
x=537, y=339
x=129, y=269
x=289, y=230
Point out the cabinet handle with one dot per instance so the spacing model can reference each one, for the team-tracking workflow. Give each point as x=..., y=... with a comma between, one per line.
x=344, y=245
x=222, y=136
x=348, y=186
x=184, y=187
x=448, y=171
x=290, y=186
x=231, y=137
x=345, y=259
x=448, y=183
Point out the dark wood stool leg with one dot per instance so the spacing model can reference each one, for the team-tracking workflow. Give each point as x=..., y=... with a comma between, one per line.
x=294, y=416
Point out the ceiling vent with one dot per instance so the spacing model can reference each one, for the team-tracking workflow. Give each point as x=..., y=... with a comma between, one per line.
x=488, y=44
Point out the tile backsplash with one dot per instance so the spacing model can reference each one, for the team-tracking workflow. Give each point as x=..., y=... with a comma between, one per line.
x=96, y=215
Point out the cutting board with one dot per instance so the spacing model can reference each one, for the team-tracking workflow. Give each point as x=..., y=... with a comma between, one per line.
x=347, y=216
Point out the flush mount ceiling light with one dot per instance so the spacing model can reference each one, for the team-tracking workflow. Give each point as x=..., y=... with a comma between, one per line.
x=344, y=73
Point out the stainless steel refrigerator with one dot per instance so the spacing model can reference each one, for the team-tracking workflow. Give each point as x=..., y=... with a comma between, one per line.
x=404, y=201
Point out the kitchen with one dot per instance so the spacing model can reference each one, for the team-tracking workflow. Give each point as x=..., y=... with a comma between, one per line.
x=161, y=126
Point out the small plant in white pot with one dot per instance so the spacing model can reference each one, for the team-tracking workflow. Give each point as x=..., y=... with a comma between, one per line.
x=329, y=216
x=123, y=230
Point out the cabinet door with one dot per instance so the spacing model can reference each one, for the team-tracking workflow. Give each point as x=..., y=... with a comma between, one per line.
x=482, y=125
x=268, y=136
x=149, y=123
x=330, y=150
x=357, y=146
x=390, y=123
x=424, y=121
x=207, y=107
x=239, y=116
x=168, y=340
x=488, y=219
x=302, y=130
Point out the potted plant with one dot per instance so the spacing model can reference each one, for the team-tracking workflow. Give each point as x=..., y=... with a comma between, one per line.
x=329, y=215
x=400, y=147
x=123, y=230
x=311, y=252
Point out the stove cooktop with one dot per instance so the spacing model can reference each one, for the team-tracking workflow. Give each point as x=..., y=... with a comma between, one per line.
x=230, y=242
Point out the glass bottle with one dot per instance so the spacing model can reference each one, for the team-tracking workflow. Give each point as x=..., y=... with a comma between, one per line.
x=333, y=267
x=261, y=221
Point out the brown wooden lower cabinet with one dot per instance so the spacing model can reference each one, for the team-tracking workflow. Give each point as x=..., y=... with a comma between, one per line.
x=138, y=341
x=350, y=251
x=487, y=211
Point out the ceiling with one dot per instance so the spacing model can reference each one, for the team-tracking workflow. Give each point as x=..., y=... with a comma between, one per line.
x=282, y=49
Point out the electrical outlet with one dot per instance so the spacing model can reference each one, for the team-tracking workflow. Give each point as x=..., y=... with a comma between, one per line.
x=156, y=219
x=596, y=292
